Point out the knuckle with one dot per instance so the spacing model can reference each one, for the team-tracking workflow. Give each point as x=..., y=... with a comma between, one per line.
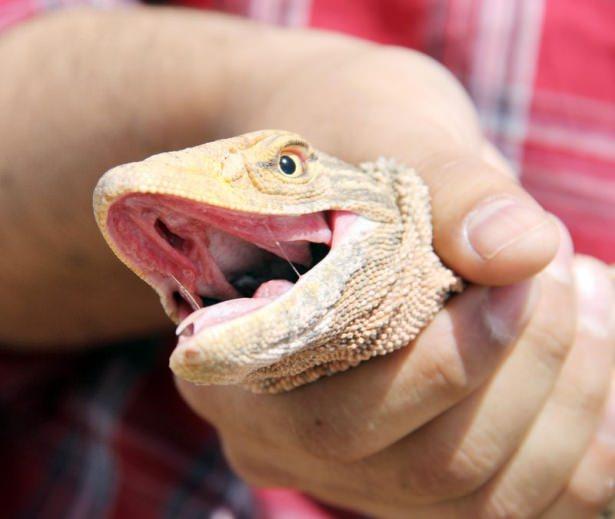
x=552, y=330
x=510, y=506
x=446, y=472
x=392, y=57
x=345, y=452
x=552, y=343
x=593, y=496
x=583, y=393
x=594, y=263
x=501, y=511
x=594, y=483
x=588, y=395
x=447, y=372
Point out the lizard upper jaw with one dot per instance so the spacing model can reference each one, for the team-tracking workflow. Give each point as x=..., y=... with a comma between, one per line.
x=230, y=262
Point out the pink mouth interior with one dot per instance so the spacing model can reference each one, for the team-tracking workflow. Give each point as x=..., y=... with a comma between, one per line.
x=213, y=265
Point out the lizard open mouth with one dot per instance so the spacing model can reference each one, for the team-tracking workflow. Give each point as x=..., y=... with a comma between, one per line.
x=211, y=265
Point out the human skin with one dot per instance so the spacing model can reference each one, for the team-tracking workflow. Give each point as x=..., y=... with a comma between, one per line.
x=467, y=420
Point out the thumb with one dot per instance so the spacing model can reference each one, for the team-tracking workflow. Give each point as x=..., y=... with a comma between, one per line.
x=486, y=226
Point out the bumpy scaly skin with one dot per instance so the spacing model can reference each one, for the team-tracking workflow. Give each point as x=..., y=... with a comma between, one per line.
x=394, y=286
x=372, y=294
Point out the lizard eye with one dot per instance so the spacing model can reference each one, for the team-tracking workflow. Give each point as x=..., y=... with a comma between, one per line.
x=290, y=165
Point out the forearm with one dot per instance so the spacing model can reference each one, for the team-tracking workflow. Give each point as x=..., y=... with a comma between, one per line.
x=81, y=92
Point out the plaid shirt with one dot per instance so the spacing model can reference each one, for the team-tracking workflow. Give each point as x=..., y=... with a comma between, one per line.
x=104, y=433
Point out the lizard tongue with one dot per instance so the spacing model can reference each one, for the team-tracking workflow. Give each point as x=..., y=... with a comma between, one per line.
x=219, y=313
x=273, y=288
x=228, y=310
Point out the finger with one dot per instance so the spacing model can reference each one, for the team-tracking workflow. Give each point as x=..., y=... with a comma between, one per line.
x=543, y=465
x=356, y=413
x=460, y=450
x=342, y=485
x=487, y=228
x=350, y=486
x=592, y=486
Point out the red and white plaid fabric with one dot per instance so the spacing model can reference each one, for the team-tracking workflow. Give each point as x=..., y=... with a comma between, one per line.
x=14, y=11
x=104, y=433
x=541, y=73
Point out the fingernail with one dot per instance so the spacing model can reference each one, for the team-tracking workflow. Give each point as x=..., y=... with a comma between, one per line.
x=507, y=309
x=594, y=296
x=497, y=223
x=560, y=267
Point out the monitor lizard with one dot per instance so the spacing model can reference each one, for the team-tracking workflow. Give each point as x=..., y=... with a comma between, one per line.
x=280, y=263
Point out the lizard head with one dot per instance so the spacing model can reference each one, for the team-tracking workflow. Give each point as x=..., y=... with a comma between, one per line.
x=250, y=243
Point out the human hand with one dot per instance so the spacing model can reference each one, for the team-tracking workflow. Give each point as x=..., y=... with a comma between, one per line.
x=441, y=420
x=491, y=412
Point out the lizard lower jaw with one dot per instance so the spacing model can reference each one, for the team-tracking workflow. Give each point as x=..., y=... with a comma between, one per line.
x=229, y=262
